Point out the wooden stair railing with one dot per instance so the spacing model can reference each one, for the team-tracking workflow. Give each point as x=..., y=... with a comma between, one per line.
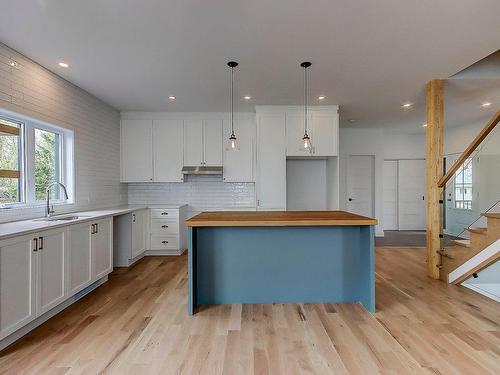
x=469, y=150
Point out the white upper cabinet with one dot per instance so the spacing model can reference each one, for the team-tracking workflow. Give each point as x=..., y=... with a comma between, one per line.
x=325, y=130
x=323, y=125
x=239, y=163
x=203, y=143
x=168, y=150
x=136, y=156
x=271, y=161
x=193, y=143
x=212, y=143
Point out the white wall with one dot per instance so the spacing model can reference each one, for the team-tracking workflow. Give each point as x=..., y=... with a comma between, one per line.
x=306, y=184
x=403, y=146
x=33, y=91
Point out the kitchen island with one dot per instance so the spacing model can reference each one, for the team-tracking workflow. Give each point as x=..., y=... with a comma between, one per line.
x=280, y=257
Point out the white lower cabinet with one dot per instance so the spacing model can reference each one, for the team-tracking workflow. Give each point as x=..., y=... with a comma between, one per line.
x=102, y=247
x=51, y=266
x=41, y=270
x=79, y=256
x=139, y=220
x=17, y=283
x=168, y=232
x=129, y=237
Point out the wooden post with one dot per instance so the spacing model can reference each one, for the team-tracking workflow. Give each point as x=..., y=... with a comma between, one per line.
x=434, y=172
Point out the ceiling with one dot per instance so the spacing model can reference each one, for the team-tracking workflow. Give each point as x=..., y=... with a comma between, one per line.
x=367, y=56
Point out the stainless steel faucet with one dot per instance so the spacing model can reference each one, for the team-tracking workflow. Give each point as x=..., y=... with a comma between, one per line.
x=50, y=210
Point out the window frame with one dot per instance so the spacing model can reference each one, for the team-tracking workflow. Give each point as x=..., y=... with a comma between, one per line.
x=28, y=168
x=461, y=171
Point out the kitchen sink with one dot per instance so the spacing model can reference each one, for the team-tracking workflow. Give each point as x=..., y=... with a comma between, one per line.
x=61, y=218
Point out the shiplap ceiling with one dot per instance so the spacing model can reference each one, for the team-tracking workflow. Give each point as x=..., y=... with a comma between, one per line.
x=367, y=56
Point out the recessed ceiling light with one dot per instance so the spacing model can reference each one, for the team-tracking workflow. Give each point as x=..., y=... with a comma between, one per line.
x=63, y=64
x=12, y=63
x=321, y=97
x=486, y=104
x=407, y=105
x=424, y=125
x=248, y=97
x=171, y=97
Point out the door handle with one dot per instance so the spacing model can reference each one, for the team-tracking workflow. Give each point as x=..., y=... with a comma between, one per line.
x=350, y=199
x=164, y=213
x=164, y=226
x=41, y=243
x=164, y=242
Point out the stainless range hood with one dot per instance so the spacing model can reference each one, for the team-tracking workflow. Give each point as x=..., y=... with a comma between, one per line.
x=202, y=170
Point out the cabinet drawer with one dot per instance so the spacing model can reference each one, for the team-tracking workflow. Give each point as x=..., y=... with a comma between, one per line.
x=165, y=227
x=164, y=242
x=158, y=213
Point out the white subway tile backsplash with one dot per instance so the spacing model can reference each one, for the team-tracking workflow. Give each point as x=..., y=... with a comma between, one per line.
x=201, y=193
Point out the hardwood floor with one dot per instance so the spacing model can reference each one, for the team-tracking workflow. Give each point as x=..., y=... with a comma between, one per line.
x=137, y=324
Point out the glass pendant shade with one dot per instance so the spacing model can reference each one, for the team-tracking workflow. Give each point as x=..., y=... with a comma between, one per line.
x=306, y=142
x=233, y=143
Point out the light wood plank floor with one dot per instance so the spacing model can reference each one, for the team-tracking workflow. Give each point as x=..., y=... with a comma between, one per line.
x=137, y=324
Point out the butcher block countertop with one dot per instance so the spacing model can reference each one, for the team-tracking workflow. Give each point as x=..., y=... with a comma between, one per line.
x=278, y=219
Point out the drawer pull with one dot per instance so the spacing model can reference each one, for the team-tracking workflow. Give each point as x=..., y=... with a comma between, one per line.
x=164, y=213
x=164, y=226
x=164, y=242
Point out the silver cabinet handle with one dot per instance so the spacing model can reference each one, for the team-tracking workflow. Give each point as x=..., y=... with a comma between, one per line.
x=164, y=226
x=164, y=213
x=164, y=242
x=97, y=228
x=41, y=243
x=36, y=244
x=92, y=229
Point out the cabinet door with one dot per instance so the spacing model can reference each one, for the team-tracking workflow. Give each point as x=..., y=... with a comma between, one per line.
x=168, y=150
x=271, y=162
x=102, y=248
x=212, y=143
x=79, y=252
x=325, y=128
x=239, y=163
x=51, y=270
x=17, y=283
x=295, y=128
x=138, y=232
x=136, y=156
x=193, y=143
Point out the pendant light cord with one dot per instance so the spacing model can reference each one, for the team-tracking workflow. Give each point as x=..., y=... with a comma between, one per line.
x=232, y=101
x=305, y=98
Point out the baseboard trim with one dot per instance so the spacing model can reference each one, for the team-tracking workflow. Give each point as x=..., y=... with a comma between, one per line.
x=177, y=252
x=13, y=337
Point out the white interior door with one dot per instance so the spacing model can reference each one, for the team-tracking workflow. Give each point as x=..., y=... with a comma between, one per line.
x=391, y=195
x=360, y=184
x=411, y=192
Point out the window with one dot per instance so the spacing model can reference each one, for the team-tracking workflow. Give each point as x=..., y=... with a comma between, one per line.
x=32, y=156
x=463, y=186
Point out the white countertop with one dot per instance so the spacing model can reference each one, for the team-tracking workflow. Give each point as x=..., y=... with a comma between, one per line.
x=17, y=228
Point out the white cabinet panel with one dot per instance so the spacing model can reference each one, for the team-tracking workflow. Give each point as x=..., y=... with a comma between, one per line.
x=102, y=248
x=136, y=156
x=193, y=142
x=325, y=129
x=212, y=143
x=79, y=257
x=51, y=270
x=271, y=162
x=239, y=163
x=17, y=283
x=168, y=150
x=295, y=132
x=139, y=232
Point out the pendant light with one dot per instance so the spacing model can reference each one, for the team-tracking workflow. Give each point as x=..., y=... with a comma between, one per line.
x=306, y=140
x=233, y=145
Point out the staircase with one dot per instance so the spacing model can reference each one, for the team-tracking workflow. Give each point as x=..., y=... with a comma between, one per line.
x=462, y=250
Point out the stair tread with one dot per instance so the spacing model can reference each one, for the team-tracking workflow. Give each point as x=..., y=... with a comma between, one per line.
x=464, y=243
x=495, y=215
x=477, y=229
